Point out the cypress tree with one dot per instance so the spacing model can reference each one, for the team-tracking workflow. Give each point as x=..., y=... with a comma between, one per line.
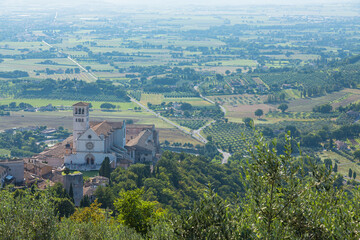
x=71, y=193
x=350, y=173
x=105, y=168
x=354, y=175
x=335, y=167
x=85, y=201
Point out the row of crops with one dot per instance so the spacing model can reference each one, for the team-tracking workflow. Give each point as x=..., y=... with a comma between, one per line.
x=308, y=79
x=239, y=100
x=232, y=137
x=229, y=136
x=302, y=115
x=181, y=94
x=136, y=94
x=192, y=124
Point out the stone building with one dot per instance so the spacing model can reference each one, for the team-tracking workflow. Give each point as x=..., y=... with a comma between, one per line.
x=15, y=168
x=76, y=181
x=92, y=141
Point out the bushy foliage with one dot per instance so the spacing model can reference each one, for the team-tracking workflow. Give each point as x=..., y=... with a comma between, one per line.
x=283, y=200
x=177, y=180
x=135, y=212
x=24, y=215
x=269, y=195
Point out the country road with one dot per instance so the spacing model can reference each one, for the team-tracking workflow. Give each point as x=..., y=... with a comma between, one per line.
x=74, y=61
x=226, y=155
x=194, y=135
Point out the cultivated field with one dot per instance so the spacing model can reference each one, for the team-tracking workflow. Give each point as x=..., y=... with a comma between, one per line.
x=159, y=98
x=336, y=99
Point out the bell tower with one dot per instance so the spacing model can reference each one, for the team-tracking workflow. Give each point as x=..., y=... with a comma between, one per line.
x=80, y=120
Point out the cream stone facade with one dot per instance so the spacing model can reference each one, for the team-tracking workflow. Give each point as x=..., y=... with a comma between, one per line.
x=92, y=142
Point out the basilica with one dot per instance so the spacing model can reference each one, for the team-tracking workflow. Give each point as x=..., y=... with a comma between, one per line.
x=91, y=142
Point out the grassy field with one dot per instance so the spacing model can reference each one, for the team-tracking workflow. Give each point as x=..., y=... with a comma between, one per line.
x=237, y=62
x=292, y=93
x=307, y=104
x=174, y=135
x=343, y=163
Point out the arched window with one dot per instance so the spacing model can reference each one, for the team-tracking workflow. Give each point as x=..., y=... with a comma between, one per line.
x=76, y=110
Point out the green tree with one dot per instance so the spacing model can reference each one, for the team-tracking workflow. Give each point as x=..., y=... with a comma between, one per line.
x=105, y=168
x=186, y=107
x=248, y=122
x=335, y=169
x=135, y=212
x=294, y=132
x=283, y=107
x=357, y=154
x=107, y=106
x=259, y=112
x=210, y=218
x=219, y=77
x=58, y=191
x=328, y=163
x=350, y=173
x=331, y=143
x=12, y=105
x=63, y=207
x=281, y=198
x=85, y=201
x=105, y=196
x=354, y=175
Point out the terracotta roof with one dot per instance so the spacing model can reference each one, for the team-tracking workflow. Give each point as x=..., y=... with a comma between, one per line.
x=81, y=104
x=55, y=155
x=142, y=141
x=103, y=128
x=132, y=130
x=115, y=125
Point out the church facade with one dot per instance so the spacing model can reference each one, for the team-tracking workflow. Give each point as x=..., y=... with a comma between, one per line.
x=92, y=142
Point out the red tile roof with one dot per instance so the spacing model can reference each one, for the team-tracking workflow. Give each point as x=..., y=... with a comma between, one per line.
x=81, y=104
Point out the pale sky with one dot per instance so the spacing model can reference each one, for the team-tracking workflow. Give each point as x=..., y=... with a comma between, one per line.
x=173, y=2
